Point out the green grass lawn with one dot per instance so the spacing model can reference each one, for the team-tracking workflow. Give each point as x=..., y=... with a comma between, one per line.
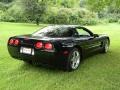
x=99, y=72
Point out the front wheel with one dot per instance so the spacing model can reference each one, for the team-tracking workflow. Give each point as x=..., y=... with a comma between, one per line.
x=106, y=46
x=73, y=60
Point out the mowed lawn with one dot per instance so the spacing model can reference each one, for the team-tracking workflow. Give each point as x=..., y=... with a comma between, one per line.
x=99, y=72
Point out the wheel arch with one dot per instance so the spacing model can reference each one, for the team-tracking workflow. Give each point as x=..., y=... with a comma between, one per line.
x=107, y=38
x=104, y=41
x=80, y=49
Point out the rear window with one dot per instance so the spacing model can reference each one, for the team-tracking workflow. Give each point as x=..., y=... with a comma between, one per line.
x=54, y=31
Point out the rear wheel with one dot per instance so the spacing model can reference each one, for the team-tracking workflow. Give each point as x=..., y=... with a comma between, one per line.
x=73, y=60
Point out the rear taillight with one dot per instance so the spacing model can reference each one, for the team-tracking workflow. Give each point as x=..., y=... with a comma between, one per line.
x=39, y=45
x=48, y=46
x=11, y=41
x=14, y=42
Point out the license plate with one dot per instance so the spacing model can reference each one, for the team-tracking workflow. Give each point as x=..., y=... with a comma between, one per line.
x=25, y=50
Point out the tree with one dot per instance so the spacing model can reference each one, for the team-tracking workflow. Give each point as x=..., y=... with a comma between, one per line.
x=99, y=5
x=34, y=9
x=3, y=7
x=6, y=1
x=95, y=5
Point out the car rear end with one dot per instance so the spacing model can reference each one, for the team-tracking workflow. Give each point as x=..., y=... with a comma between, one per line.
x=37, y=51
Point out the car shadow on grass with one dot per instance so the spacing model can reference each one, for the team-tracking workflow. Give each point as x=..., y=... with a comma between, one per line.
x=40, y=68
x=47, y=68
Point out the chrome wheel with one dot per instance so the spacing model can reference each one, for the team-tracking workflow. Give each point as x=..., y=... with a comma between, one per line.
x=75, y=60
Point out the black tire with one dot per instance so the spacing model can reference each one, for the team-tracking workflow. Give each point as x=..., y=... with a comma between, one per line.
x=71, y=61
x=106, y=46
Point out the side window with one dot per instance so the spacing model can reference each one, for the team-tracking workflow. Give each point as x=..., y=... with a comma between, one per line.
x=82, y=32
x=64, y=32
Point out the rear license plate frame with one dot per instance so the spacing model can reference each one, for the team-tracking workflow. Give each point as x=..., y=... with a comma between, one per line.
x=26, y=50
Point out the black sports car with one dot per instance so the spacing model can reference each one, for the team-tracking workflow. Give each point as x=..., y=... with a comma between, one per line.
x=57, y=45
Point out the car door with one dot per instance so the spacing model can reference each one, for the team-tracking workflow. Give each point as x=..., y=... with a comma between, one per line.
x=87, y=41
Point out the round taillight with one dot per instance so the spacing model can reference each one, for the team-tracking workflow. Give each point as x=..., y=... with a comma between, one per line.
x=48, y=46
x=39, y=45
x=16, y=42
x=11, y=41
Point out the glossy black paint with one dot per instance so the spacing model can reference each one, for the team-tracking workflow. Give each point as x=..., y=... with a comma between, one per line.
x=62, y=47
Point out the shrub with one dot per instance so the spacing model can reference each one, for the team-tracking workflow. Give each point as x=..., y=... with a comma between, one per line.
x=74, y=19
x=53, y=15
x=5, y=17
x=83, y=17
x=51, y=18
x=119, y=21
x=112, y=20
x=14, y=14
x=113, y=17
x=89, y=21
x=62, y=16
x=3, y=6
x=70, y=16
x=84, y=13
x=1, y=13
x=57, y=17
x=103, y=21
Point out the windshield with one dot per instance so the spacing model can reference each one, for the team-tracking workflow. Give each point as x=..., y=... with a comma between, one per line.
x=53, y=31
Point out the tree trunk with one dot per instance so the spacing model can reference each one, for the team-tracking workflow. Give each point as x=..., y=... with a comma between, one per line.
x=37, y=21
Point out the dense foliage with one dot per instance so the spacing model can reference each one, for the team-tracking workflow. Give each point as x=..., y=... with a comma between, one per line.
x=87, y=12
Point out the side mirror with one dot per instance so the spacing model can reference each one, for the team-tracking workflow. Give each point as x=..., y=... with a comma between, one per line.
x=96, y=35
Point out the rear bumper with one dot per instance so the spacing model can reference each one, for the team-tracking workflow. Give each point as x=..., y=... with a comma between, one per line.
x=40, y=57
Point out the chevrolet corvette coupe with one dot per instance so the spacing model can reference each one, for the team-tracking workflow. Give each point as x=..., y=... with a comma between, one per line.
x=57, y=45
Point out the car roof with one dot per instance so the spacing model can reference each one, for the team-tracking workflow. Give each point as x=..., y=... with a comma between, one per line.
x=66, y=26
